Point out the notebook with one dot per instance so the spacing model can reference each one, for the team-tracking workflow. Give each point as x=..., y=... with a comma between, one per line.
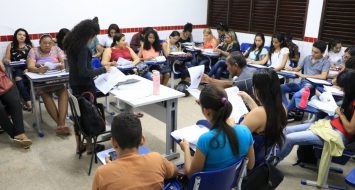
x=325, y=102
x=190, y=134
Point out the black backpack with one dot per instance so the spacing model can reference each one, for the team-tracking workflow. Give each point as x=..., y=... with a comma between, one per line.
x=305, y=154
x=92, y=119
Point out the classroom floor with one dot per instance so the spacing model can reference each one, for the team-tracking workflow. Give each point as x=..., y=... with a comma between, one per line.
x=51, y=162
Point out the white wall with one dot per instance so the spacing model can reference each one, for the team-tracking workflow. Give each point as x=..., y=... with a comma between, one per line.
x=315, y=8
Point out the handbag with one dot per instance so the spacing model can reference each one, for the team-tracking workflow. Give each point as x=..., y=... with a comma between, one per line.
x=5, y=83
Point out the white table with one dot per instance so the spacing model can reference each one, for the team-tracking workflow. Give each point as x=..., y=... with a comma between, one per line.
x=42, y=80
x=141, y=94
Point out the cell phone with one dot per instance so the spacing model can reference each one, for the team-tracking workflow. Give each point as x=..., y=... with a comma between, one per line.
x=113, y=155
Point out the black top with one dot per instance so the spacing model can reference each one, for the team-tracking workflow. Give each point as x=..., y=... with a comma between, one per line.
x=81, y=72
x=184, y=41
x=19, y=53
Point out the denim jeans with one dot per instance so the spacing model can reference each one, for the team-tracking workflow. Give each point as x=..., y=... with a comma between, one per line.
x=217, y=69
x=300, y=135
x=293, y=87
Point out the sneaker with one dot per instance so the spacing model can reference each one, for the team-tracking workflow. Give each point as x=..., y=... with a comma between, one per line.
x=290, y=117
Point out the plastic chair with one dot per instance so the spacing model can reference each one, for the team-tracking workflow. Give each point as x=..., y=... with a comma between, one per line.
x=342, y=160
x=74, y=107
x=223, y=179
x=350, y=178
x=244, y=47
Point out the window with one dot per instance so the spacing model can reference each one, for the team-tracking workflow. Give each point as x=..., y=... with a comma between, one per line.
x=267, y=16
x=338, y=21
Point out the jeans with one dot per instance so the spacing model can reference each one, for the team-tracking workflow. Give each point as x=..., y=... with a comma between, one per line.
x=148, y=75
x=217, y=69
x=293, y=87
x=23, y=85
x=10, y=107
x=300, y=135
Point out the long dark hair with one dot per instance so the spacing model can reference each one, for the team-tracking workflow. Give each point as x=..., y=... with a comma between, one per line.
x=215, y=99
x=280, y=37
x=113, y=27
x=116, y=38
x=156, y=45
x=173, y=34
x=15, y=42
x=350, y=50
x=60, y=37
x=268, y=92
x=253, y=47
x=345, y=81
x=79, y=37
x=332, y=43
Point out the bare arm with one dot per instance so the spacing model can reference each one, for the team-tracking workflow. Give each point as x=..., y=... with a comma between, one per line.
x=248, y=100
x=134, y=56
x=192, y=164
x=255, y=125
x=283, y=62
x=216, y=82
x=322, y=76
x=106, y=58
x=7, y=58
x=100, y=50
x=349, y=126
x=2, y=67
x=262, y=61
x=166, y=49
x=251, y=158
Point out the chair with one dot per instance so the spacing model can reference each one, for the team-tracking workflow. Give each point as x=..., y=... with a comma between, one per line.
x=74, y=107
x=342, y=160
x=223, y=179
x=244, y=47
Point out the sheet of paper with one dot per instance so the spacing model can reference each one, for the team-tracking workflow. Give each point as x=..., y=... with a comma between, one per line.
x=195, y=93
x=190, y=133
x=160, y=59
x=257, y=66
x=325, y=102
x=51, y=66
x=334, y=91
x=319, y=81
x=196, y=75
x=123, y=62
x=239, y=107
x=107, y=81
x=178, y=53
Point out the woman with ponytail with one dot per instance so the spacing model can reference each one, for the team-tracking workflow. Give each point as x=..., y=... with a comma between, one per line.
x=224, y=144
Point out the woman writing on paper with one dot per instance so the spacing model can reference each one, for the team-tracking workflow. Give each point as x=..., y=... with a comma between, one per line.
x=81, y=75
x=224, y=144
x=271, y=114
x=41, y=59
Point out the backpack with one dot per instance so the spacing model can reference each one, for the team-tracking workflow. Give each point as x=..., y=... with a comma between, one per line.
x=305, y=154
x=92, y=118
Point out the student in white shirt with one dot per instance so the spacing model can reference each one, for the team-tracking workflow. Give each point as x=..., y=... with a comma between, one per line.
x=278, y=53
x=335, y=55
x=106, y=40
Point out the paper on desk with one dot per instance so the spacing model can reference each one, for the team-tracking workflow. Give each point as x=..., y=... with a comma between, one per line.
x=257, y=66
x=239, y=108
x=190, y=134
x=107, y=81
x=334, y=90
x=51, y=66
x=178, y=53
x=160, y=59
x=196, y=75
x=325, y=102
x=319, y=81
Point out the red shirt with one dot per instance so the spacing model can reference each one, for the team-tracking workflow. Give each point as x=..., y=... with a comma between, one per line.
x=117, y=53
x=336, y=123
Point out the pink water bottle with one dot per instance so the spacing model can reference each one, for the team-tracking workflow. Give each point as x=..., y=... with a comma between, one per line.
x=156, y=82
x=304, y=98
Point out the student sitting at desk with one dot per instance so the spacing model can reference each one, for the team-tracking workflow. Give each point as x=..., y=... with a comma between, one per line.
x=314, y=66
x=151, y=49
x=60, y=37
x=36, y=59
x=11, y=118
x=344, y=124
x=271, y=114
x=349, y=53
x=138, y=38
x=186, y=34
x=120, y=49
x=294, y=55
x=257, y=54
x=81, y=75
x=279, y=53
x=335, y=55
x=225, y=144
x=132, y=170
x=237, y=67
x=18, y=50
x=173, y=45
x=229, y=45
x=209, y=42
x=106, y=40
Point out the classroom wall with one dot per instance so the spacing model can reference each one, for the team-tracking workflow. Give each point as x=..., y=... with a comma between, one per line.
x=130, y=15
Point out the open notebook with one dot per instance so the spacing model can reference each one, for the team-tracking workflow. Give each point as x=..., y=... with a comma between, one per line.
x=190, y=133
x=195, y=76
x=325, y=102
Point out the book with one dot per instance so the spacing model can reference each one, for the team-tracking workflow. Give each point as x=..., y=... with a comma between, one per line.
x=334, y=91
x=325, y=102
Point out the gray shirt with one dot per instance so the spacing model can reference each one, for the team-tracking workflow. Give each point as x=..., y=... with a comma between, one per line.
x=245, y=80
x=309, y=68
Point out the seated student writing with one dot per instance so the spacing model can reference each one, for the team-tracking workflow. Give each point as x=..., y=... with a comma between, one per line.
x=294, y=55
x=120, y=49
x=279, y=53
x=257, y=54
x=132, y=170
x=267, y=118
x=138, y=38
x=229, y=45
x=151, y=49
x=343, y=124
x=237, y=67
x=225, y=144
x=335, y=55
x=36, y=59
x=313, y=66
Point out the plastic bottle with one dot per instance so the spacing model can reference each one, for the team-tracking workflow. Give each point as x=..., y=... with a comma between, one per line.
x=304, y=98
x=156, y=82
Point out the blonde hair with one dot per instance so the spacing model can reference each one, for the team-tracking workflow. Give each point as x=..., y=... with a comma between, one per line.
x=207, y=31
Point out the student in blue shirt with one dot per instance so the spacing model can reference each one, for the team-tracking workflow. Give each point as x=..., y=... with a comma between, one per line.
x=314, y=66
x=225, y=143
x=257, y=54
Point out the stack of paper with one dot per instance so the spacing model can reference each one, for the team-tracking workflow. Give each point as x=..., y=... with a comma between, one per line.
x=124, y=63
x=210, y=52
x=325, y=102
x=319, y=81
x=178, y=53
x=334, y=91
x=107, y=81
x=190, y=134
x=51, y=66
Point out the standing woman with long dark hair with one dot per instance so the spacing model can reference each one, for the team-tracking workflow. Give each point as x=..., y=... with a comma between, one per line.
x=81, y=75
x=267, y=119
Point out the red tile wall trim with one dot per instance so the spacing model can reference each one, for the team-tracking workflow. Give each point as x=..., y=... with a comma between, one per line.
x=309, y=39
x=6, y=38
